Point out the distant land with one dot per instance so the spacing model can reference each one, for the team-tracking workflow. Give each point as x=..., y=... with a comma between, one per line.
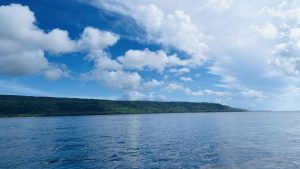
x=14, y=106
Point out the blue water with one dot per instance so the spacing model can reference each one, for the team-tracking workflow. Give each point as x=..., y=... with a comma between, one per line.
x=201, y=140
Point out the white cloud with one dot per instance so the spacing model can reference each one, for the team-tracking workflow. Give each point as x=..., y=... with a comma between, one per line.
x=108, y=71
x=268, y=30
x=21, y=32
x=102, y=60
x=285, y=59
x=174, y=29
x=295, y=33
x=129, y=83
x=179, y=71
x=221, y=4
x=55, y=72
x=23, y=44
x=153, y=84
x=253, y=94
x=173, y=87
x=286, y=11
x=188, y=91
x=95, y=39
x=126, y=81
x=140, y=59
x=186, y=79
x=22, y=62
x=57, y=41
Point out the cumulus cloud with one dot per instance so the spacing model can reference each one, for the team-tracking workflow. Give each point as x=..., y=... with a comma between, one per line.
x=103, y=60
x=108, y=71
x=95, y=39
x=57, y=41
x=95, y=42
x=179, y=71
x=55, y=72
x=21, y=32
x=186, y=79
x=119, y=79
x=22, y=62
x=185, y=35
x=174, y=29
x=153, y=84
x=23, y=44
x=140, y=59
x=171, y=87
x=129, y=83
x=285, y=59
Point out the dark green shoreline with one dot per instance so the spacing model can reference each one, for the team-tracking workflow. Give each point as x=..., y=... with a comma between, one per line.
x=30, y=106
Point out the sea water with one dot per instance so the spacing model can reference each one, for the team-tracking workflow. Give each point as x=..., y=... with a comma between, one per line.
x=183, y=140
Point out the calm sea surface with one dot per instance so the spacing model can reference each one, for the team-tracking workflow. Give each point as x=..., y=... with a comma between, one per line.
x=191, y=140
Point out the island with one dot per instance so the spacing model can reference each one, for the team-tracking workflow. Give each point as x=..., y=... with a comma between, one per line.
x=15, y=106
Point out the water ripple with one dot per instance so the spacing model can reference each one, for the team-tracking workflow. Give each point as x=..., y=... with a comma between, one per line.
x=215, y=140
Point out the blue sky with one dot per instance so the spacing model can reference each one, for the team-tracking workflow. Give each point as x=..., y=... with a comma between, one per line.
x=244, y=54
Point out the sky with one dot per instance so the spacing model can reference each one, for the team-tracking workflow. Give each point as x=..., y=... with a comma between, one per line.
x=241, y=53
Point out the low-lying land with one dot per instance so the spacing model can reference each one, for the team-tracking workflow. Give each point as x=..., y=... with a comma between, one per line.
x=13, y=106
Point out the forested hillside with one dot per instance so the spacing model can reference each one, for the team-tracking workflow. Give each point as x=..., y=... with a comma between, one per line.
x=48, y=106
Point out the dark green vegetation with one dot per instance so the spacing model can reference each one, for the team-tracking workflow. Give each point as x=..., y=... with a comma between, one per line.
x=11, y=106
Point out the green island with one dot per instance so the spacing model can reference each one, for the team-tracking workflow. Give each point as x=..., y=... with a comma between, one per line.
x=15, y=106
